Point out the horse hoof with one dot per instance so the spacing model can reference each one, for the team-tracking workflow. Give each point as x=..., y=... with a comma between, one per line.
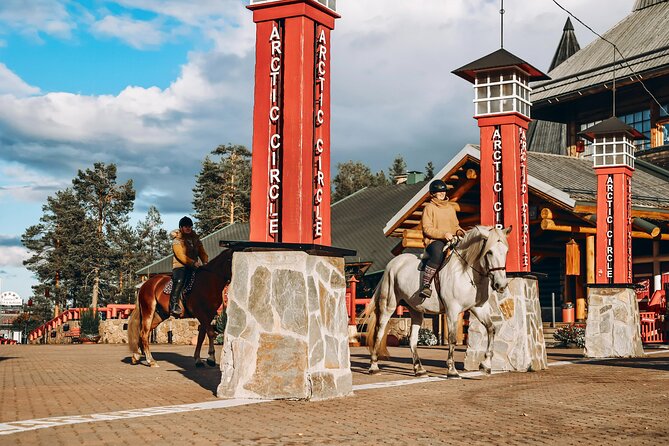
x=134, y=361
x=485, y=370
x=421, y=372
x=374, y=371
x=154, y=364
x=453, y=375
x=199, y=364
x=211, y=362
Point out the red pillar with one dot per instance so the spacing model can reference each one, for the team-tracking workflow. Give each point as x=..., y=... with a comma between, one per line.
x=614, y=225
x=290, y=182
x=504, y=191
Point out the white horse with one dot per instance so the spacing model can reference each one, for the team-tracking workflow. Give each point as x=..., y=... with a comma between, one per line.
x=476, y=267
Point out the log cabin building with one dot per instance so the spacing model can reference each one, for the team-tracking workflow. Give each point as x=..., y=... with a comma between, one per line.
x=382, y=222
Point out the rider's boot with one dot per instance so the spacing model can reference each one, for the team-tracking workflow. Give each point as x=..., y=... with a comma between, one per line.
x=175, y=305
x=426, y=289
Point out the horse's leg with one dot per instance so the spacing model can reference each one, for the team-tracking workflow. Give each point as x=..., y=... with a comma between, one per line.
x=211, y=333
x=416, y=323
x=452, y=322
x=133, y=335
x=146, y=326
x=483, y=314
x=199, y=362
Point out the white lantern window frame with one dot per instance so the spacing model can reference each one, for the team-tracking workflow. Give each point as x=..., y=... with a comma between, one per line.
x=505, y=91
x=612, y=151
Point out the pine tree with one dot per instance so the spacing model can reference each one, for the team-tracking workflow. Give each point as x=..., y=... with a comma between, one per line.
x=154, y=242
x=222, y=193
x=107, y=205
x=429, y=171
x=397, y=168
x=351, y=177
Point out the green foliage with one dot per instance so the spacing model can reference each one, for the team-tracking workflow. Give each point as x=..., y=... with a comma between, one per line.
x=426, y=337
x=429, y=171
x=570, y=335
x=89, y=323
x=83, y=249
x=222, y=193
x=397, y=168
x=353, y=176
x=221, y=322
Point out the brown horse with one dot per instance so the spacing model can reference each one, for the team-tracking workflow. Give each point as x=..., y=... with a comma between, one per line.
x=202, y=302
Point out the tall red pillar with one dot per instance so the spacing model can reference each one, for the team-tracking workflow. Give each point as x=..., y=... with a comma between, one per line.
x=290, y=180
x=613, y=159
x=502, y=109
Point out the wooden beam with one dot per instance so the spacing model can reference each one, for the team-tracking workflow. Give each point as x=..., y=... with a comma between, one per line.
x=549, y=225
x=638, y=223
x=398, y=249
x=412, y=243
x=463, y=189
x=412, y=234
x=472, y=174
x=470, y=220
x=547, y=214
x=470, y=208
x=651, y=215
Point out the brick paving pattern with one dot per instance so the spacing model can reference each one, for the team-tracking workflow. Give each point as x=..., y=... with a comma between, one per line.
x=622, y=401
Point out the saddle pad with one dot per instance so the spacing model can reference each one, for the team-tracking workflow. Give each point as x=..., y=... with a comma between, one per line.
x=189, y=285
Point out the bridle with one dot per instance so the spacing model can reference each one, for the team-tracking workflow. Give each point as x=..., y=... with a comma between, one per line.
x=489, y=271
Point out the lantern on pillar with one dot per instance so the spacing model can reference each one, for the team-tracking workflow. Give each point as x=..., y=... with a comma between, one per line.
x=613, y=160
x=573, y=258
x=502, y=108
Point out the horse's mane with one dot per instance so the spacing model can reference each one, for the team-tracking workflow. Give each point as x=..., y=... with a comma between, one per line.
x=214, y=264
x=474, y=243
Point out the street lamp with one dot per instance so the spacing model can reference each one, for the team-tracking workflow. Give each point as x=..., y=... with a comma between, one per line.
x=25, y=330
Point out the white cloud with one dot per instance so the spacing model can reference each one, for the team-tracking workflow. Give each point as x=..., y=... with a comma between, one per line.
x=12, y=84
x=37, y=16
x=13, y=256
x=137, y=33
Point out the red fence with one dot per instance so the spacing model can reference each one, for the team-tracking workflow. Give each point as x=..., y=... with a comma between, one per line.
x=111, y=311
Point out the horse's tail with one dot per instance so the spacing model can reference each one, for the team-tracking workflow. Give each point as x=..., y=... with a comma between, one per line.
x=371, y=317
x=133, y=327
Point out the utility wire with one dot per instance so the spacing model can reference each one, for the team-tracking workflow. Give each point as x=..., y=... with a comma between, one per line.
x=616, y=49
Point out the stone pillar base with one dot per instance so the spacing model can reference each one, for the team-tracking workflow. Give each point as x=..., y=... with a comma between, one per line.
x=287, y=330
x=612, y=329
x=519, y=338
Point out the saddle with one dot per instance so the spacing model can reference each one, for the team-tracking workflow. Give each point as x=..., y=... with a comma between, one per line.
x=187, y=288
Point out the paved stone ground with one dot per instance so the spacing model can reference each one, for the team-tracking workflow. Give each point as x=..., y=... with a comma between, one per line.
x=622, y=401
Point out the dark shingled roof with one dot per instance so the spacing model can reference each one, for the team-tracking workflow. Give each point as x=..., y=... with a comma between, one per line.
x=357, y=223
x=640, y=4
x=611, y=126
x=641, y=37
x=567, y=47
x=577, y=177
x=547, y=137
x=498, y=59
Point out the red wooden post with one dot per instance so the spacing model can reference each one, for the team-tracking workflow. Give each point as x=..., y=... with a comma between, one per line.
x=290, y=184
x=352, y=293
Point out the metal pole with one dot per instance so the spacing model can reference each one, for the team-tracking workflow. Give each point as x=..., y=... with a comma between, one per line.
x=553, y=308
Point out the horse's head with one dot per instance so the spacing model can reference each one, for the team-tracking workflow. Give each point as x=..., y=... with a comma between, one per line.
x=493, y=260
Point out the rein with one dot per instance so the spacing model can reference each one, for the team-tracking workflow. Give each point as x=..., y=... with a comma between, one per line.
x=480, y=273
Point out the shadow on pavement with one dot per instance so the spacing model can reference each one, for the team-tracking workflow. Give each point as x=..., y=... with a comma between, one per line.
x=206, y=377
x=661, y=364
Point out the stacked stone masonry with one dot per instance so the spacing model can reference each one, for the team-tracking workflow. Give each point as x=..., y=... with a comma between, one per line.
x=519, y=338
x=612, y=329
x=287, y=330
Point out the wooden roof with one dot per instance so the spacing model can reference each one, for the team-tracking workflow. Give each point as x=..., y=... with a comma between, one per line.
x=642, y=37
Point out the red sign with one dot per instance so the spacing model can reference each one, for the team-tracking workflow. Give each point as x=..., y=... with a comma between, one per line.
x=275, y=115
x=524, y=208
x=497, y=188
x=320, y=60
x=609, y=228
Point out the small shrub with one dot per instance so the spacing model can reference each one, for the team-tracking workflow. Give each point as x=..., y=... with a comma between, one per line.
x=221, y=322
x=89, y=323
x=426, y=337
x=570, y=334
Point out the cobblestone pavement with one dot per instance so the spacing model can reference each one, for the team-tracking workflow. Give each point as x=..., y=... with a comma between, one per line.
x=90, y=394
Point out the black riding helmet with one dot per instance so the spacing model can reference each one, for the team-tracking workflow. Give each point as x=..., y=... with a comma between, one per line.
x=437, y=186
x=185, y=221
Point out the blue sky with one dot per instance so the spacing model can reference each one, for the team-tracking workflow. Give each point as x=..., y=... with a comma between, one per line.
x=155, y=85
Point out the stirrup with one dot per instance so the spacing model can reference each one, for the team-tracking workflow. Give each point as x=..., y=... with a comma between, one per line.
x=425, y=292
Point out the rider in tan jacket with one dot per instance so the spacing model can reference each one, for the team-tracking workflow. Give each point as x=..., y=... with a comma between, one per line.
x=440, y=224
x=189, y=254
